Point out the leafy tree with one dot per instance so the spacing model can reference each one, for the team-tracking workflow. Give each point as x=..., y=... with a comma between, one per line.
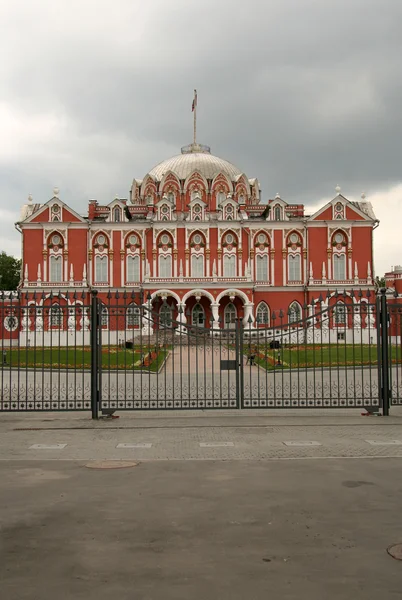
x=379, y=282
x=10, y=272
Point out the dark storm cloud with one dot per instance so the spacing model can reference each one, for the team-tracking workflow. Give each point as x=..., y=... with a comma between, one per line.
x=303, y=94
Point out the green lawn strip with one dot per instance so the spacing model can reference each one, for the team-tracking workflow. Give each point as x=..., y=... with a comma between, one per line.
x=320, y=356
x=80, y=358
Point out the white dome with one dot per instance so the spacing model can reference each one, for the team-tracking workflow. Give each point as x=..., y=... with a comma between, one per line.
x=195, y=158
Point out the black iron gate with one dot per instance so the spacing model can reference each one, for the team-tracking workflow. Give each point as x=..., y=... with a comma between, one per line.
x=77, y=352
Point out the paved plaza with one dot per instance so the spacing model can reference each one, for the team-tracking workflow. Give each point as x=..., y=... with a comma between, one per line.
x=225, y=506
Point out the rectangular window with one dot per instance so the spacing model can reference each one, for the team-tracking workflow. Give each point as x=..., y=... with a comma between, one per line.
x=101, y=269
x=197, y=266
x=294, y=268
x=56, y=269
x=133, y=268
x=262, y=268
x=165, y=266
x=340, y=267
x=229, y=266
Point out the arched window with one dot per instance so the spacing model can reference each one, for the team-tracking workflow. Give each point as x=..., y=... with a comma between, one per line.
x=55, y=316
x=165, y=266
x=197, y=266
x=221, y=196
x=294, y=312
x=133, y=268
x=104, y=316
x=133, y=315
x=229, y=265
x=117, y=214
x=340, y=313
x=198, y=315
x=56, y=269
x=230, y=314
x=165, y=315
x=294, y=267
x=277, y=213
x=340, y=267
x=262, y=267
x=262, y=314
x=101, y=269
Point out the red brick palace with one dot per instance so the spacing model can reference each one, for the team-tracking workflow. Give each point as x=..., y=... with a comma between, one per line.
x=196, y=234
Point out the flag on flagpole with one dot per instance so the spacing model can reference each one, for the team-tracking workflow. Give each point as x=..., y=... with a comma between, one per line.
x=194, y=101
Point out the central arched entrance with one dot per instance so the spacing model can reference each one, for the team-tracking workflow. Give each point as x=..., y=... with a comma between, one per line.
x=198, y=315
x=229, y=316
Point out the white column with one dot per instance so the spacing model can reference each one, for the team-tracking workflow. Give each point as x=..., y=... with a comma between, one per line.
x=174, y=258
x=110, y=265
x=240, y=269
x=329, y=263
x=147, y=319
x=207, y=266
x=181, y=317
x=215, y=315
x=284, y=257
x=350, y=269
x=272, y=273
x=248, y=312
x=220, y=264
x=39, y=276
x=122, y=265
x=324, y=275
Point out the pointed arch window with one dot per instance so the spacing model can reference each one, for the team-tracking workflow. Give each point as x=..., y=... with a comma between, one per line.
x=340, y=267
x=104, y=316
x=198, y=315
x=133, y=315
x=262, y=316
x=117, y=214
x=229, y=265
x=55, y=316
x=340, y=314
x=277, y=213
x=166, y=315
x=295, y=312
x=165, y=266
x=133, y=268
x=101, y=269
x=197, y=266
x=262, y=267
x=295, y=267
x=56, y=269
x=230, y=315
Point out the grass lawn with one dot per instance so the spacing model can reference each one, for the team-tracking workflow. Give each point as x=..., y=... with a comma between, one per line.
x=342, y=355
x=80, y=358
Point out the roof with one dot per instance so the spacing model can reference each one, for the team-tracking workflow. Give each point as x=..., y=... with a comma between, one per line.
x=195, y=158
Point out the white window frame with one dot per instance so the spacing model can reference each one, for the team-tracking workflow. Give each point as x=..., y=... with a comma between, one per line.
x=262, y=263
x=133, y=315
x=101, y=268
x=340, y=314
x=229, y=265
x=339, y=266
x=165, y=265
x=196, y=311
x=133, y=268
x=196, y=261
x=55, y=316
x=56, y=275
x=294, y=267
x=104, y=316
x=295, y=312
x=263, y=307
x=231, y=323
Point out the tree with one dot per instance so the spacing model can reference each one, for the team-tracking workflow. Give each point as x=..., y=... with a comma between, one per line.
x=10, y=272
x=379, y=282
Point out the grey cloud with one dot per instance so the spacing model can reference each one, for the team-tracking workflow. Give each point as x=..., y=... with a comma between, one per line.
x=299, y=93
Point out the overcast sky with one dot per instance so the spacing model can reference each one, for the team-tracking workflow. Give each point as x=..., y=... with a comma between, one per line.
x=303, y=94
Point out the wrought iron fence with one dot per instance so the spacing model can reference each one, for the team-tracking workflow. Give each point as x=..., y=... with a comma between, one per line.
x=74, y=351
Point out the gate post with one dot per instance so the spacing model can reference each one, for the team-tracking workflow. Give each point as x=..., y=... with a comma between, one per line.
x=94, y=354
x=385, y=363
x=238, y=366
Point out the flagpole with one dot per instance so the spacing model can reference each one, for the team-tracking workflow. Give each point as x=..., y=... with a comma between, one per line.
x=195, y=116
